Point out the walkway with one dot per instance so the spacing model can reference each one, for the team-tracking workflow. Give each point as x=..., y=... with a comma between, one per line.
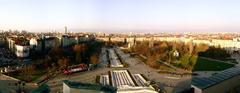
x=217, y=60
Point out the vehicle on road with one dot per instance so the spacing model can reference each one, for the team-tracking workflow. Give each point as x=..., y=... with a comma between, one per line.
x=75, y=68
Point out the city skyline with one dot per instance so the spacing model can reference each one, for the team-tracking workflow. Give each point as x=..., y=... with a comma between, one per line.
x=121, y=15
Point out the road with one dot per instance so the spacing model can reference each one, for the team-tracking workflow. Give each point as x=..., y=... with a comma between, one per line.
x=217, y=60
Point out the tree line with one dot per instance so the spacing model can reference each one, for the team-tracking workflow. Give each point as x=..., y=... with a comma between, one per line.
x=165, y=51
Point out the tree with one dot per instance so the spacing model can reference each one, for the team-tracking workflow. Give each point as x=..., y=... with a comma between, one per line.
x=63, y=63
x=60, y=62
x=190, y=47
x=163, y=45
x=152, y=61
x=142, y=48
x=215, y=53
x=28, y=71
x=201, y=47
x=193, y=61
x=184, y=60
x=79, y=49
x=94, y=59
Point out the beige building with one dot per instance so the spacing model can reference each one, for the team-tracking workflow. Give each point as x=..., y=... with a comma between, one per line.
x=11, y=44
x=22, y=50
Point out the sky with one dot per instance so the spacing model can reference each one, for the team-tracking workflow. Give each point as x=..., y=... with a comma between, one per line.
x=121, y=15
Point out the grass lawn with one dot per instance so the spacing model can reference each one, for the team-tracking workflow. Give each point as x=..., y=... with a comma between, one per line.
x=208, y=65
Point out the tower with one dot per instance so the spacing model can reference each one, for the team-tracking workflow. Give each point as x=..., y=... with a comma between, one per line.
x=66, y=30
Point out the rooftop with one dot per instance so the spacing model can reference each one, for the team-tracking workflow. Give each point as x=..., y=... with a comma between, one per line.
x=129, y=83
x=121, y=79
x=79, y=85
x=104, y=79
x=140, y=80
x=206, y=82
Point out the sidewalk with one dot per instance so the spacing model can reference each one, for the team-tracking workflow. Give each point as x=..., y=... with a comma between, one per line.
x=176, y=68
x=217, y=60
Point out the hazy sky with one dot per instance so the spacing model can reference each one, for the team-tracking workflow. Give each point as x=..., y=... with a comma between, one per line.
x=121, y=15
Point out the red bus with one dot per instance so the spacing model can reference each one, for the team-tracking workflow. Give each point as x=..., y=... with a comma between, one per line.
x=75, y=68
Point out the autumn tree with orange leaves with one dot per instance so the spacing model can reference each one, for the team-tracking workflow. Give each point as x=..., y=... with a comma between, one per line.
x=79, y=49
x=94, y=59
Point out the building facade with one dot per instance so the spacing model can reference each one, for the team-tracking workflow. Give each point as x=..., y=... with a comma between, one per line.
x=22, y=50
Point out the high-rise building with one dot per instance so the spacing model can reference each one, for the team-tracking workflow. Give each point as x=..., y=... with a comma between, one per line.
x=66, y=30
